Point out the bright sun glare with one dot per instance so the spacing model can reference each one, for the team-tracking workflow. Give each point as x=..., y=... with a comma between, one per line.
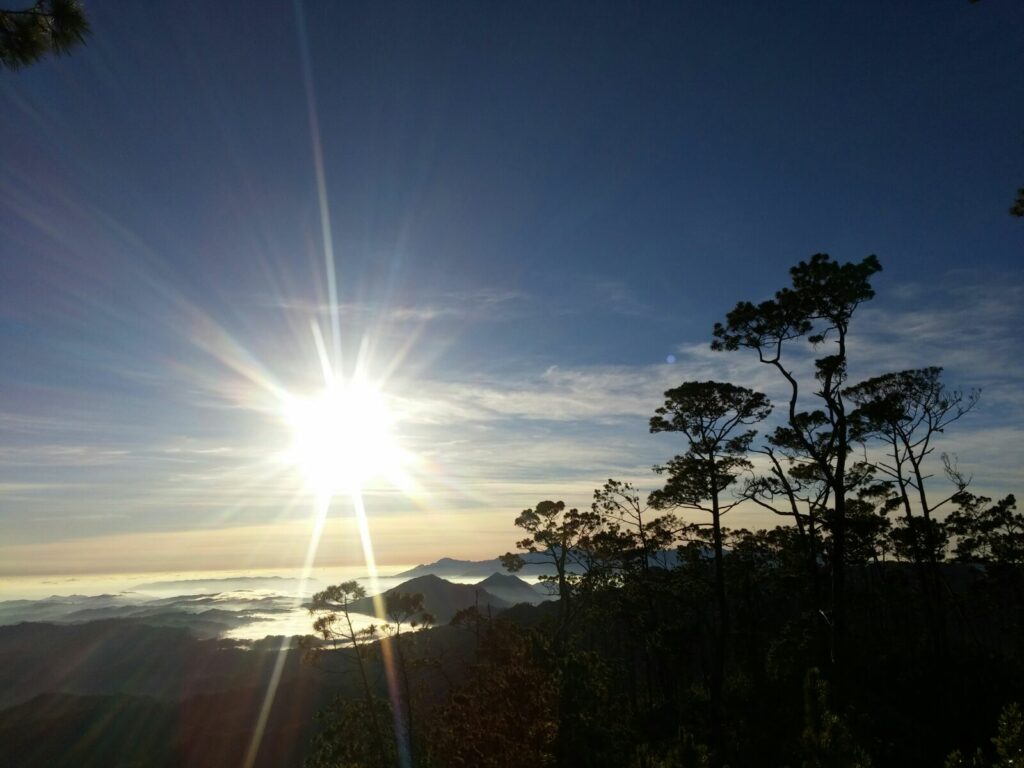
x=342, y=438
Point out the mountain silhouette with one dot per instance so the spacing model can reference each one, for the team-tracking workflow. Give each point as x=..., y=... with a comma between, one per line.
x=442, y=599
x=447, y=567
x=511, y=589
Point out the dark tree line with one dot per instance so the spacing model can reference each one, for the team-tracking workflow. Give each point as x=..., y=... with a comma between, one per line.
x=881, y=623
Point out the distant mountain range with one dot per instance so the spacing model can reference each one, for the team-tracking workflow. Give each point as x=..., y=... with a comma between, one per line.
x=514, y=590
x=126, y=681
x=443, y=599
x=205, y=616
x=274, y=583
x=534, y=565
x=221, y=613
x=449, y=568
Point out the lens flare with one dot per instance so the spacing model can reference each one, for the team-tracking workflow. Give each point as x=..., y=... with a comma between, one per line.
x=342, y=438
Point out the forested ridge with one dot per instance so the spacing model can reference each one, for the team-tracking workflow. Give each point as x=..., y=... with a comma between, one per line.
x=880, y=623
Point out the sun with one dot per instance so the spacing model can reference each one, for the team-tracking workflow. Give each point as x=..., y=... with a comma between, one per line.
x=342, y=438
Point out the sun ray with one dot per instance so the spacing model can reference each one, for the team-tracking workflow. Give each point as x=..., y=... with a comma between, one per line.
x=322, y=507
x=321, y=353
x=321, y=181
x=342, y=436
x=390, y=670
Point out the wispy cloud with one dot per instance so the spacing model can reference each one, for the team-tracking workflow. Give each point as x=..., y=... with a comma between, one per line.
x=972, y=329
x=60, y=455
x=617, y=297
x=478, y=304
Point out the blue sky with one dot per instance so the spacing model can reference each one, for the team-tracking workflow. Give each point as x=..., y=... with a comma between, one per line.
x=532, y=207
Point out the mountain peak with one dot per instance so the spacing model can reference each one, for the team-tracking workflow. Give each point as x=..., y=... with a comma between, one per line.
x=510, y=588
x=441, y=598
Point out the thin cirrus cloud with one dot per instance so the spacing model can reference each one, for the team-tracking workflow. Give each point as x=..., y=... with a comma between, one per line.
x=970, y=330
x=476, y=304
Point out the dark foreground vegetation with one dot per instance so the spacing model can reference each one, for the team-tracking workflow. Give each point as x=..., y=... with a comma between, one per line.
x=881, y=624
